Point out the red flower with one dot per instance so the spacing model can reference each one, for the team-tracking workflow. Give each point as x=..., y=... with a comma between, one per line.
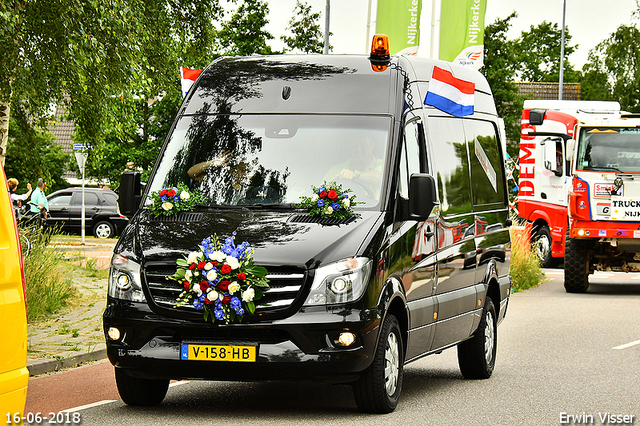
x=215, y=263
x=171, y=193
x=163, y=192
x=225, y=269
x=332, y=195
x=242, y=276
x=192, y=266
x=186, y=285
x=207, y=301
x=322, y=194
x=201, y=265
x=224, y=285
x=204, y=286
x=226, y=300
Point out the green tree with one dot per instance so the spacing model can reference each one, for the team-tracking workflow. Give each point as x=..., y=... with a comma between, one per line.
x=245, y=34
x=89, y=53
x=500, y=66
x=538, y=54
x=32, y=154
x=305, y=29
x=613, y=70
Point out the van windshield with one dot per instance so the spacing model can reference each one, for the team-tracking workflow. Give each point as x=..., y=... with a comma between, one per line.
x=240, y=160
x=615, y=149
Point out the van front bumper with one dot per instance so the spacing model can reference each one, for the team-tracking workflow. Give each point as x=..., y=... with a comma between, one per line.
x=301, y=347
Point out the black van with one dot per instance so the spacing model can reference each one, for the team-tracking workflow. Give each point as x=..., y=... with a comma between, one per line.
x=421, y=267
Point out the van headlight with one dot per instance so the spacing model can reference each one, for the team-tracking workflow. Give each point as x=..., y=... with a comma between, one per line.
x=340, y=282
x=124, y=279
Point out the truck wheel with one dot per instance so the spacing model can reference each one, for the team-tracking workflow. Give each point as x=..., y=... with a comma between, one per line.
x=140, y=392
x=541, y=244
x=103, y=229
x=378, y=390
x=576, y=265
x=477, y=356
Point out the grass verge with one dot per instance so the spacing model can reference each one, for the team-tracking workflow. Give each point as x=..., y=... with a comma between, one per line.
x=49, y=286
x=525, y=264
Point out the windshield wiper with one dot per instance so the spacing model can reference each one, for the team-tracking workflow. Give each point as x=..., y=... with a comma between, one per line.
x=605, y=168
x=218, y=207
x=276, y=206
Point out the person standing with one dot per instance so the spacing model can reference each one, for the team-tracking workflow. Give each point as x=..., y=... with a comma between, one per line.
x=39, y=203
x=17, y=199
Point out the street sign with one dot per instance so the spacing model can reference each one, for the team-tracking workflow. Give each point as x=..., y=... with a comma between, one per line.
x=81, y=146
x=81, y=158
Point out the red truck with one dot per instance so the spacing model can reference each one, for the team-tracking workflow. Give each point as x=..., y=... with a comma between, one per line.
x=579, y=186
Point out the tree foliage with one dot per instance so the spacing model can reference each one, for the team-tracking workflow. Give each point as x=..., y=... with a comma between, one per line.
x=500, y=65
x=244, y=33
x=613, y=70
x=538, y=53
x=304, y=26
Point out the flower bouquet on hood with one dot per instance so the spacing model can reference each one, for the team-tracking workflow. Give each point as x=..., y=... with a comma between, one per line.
x=170, y=201
x=221, y=280
x=330, y=201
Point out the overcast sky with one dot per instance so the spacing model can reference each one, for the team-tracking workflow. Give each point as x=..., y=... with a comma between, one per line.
x=589, y=21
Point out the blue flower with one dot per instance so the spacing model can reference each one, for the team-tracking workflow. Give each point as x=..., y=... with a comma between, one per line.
x=320, y=203
x=163, y=197
x=345, y=195
x=218, y=312
x=320, y=190
x=176, y=197
x=335, y=206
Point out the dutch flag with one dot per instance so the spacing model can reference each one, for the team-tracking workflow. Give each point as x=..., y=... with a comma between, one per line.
x=450, y=94
x=187, y=77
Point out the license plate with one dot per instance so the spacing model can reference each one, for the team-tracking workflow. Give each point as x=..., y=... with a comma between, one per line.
x=231, y=353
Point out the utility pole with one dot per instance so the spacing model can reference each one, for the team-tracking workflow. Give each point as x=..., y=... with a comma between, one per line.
x=326, y=27
x=560, y=86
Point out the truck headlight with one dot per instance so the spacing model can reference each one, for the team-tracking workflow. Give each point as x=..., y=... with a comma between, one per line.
x=124, y=279
x=340, y=282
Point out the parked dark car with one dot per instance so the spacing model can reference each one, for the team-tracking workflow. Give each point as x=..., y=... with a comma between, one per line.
x=102, y=218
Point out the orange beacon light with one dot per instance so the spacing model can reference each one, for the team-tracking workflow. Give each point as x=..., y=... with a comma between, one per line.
x=380, y=54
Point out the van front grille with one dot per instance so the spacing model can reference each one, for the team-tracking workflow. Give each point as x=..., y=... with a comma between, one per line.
x=285, y=284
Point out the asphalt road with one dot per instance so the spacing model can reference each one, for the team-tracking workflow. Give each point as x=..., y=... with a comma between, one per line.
x=559, y=355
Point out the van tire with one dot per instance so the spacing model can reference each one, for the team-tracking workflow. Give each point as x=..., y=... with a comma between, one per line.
x=576, y=265
x=103, y=229
x=140, y=392
x=541, y=244
x=477, y=355
x=371, y=392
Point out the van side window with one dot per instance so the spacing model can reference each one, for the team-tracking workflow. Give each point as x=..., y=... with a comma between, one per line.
x=410, y=157
x=451, y=163
x=487, y=179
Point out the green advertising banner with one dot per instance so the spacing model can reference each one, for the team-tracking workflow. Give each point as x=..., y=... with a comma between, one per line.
x=462, y=32
x=400, y=20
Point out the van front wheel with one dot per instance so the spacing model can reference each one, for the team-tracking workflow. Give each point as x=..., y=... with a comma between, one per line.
x=140, y=392
x=378, y=390
x=477, y=356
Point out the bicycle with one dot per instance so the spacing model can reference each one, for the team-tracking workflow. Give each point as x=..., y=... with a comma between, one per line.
x=29, y=224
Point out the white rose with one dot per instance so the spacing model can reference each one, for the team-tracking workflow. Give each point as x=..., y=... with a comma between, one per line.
x=314, y=198
x=233, y=287
x=217, y=255
x=212, y=275
x=184, y=195
x=346, y=202
x=212, y=295
x=233, y=262
x=167, y=205
x=208, y=266
x=248, y=295
x=328, y=210
x=196, y=289
x=194, y=256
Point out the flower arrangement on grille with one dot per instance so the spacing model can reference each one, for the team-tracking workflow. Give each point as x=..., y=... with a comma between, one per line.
x=221, y=280
x=170, y=201
x=330, y=200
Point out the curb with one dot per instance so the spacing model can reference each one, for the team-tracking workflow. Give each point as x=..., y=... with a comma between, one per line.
x=50, y=365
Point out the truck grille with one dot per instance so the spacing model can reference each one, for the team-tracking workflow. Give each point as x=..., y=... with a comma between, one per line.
x=285, y=285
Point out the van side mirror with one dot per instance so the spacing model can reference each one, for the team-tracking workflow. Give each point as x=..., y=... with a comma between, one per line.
x=422, y=195
x=570, y=149
x=129, y=195
x=536, y=116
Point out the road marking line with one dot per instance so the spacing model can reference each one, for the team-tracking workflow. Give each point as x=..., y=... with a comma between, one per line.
x=84, y=407
x=628, y=345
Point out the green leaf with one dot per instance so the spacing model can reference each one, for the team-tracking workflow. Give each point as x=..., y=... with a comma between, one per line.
x=182, y=262
x=251, y=307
